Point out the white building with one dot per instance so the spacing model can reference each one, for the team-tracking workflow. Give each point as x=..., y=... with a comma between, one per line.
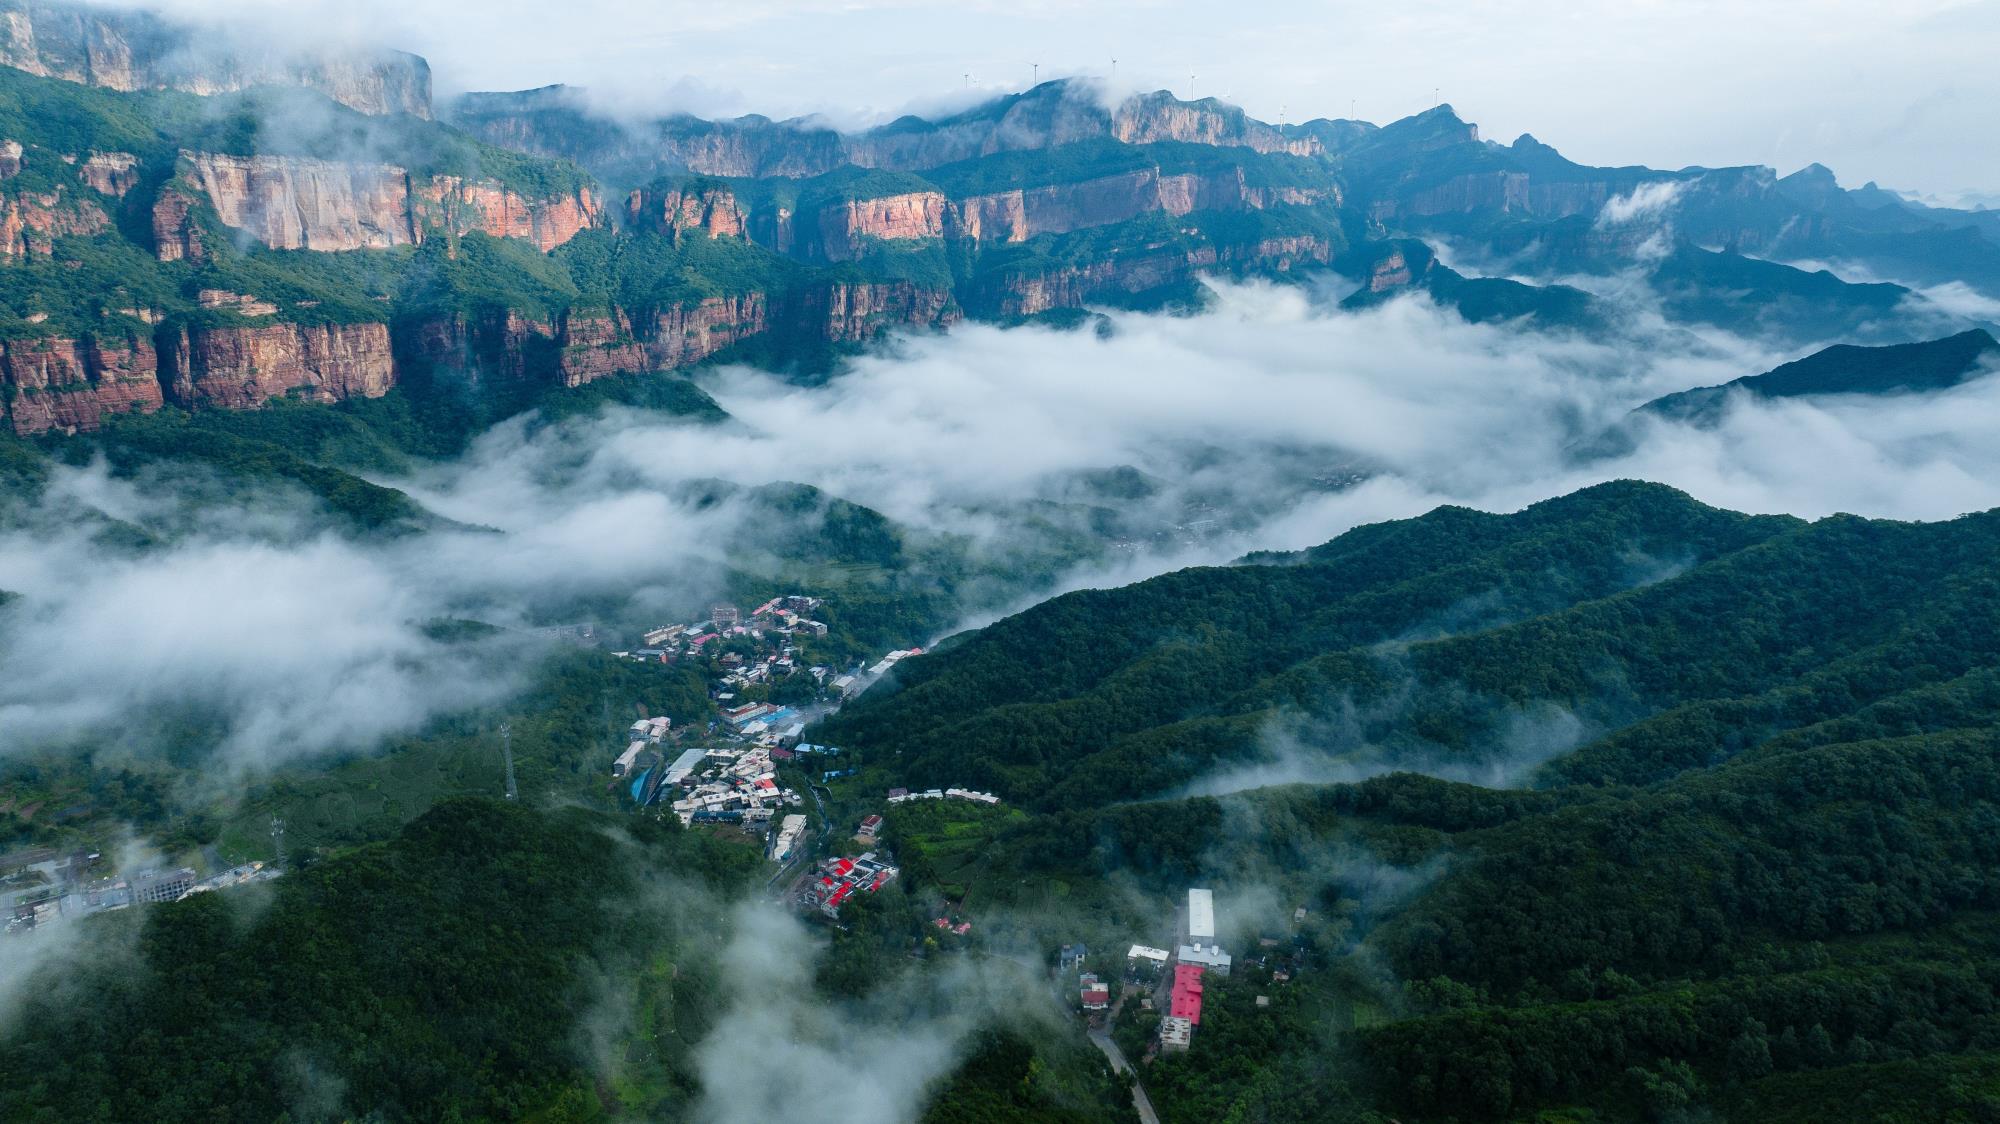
x=626, y=759
x=1207, y=956
x=1175, y=1033
x=1201, y=916
x=1155, y=956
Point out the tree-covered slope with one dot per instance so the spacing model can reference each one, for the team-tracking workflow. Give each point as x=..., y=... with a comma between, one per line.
x=1846, y=369
x=1753, y=875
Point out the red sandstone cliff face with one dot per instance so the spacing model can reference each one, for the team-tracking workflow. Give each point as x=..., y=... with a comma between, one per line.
x=243, y=368
x=497, y=348
x=463, y=206
x=596, y=345
x=1080, y=286
x=72, y=385
x=31, y=222
x=176, y=236
x=845, y=228
x=297, y=203
x=842, y=312
x=134, y=50
x=1015, y=216
x=112, y=173
x=682, y=337
x=709, y=209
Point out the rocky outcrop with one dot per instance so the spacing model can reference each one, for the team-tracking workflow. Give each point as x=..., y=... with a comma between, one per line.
x=296, y=203
x=494, y=349
x=176, y=235
x=684, y=336
x=31, y=222
x=1015, y=216
x=110, y=173
x=1078, y=286
x=849, y=312
x=595, y=345
x=73, y=385
x=463, y=206
x=299, y=203
x=10, y=159
x=554, y=121
x=134, y=50
x=846, y=228
x=706, y=208
x=240, y=368
x=1159, y=116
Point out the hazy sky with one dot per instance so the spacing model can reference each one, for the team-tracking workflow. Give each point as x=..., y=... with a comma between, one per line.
x=1903, y=92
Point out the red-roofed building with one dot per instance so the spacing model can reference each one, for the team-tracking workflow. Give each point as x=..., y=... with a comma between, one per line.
x=1186, y=1002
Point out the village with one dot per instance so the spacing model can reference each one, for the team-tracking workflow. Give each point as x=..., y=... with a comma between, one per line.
x=764, y=694
x=40, y=889
x=1168, y=985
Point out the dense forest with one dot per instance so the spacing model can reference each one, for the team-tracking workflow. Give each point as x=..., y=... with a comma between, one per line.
x=1750, y=871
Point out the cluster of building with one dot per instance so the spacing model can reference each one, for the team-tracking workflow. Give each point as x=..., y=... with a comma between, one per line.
x=645, y=733
x=1179, y=972
x=70, y=894
x=904, y=795
x=780, y=621
x=786, y=839
x=838, y=879
x=1094, y=993
x=731, y=786
x=882, y=667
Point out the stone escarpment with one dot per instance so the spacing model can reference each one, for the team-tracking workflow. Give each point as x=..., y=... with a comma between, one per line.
x=1021, y=214
x=134, y=50
x=300, y=203
x=1030, y=292
x=556, y=121
x=675, y=210
x=30, y=222
x=63, y=384
x=240, y=368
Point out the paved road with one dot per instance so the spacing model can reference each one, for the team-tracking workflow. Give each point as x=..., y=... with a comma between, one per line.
x=1140, y=1101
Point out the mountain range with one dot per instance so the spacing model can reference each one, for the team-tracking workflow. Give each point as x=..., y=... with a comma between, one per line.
x=213, y=229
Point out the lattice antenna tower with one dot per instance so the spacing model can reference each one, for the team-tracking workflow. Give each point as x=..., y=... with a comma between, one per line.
x=507, y=753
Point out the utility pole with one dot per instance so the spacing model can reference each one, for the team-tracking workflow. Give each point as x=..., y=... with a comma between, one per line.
x=1114, y=70
x=507, y=751
x=277, y=842
x=1037, y=80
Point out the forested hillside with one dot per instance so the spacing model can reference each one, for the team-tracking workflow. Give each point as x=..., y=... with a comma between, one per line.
x=1753, y=863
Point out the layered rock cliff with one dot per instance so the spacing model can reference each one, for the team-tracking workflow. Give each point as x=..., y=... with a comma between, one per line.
x=300, y=203
x=845, y=228
x=677, y=209
x=463, y=206
x=240, y=368
x=1165, y=270
x=72, y=385
x=134, y=50
x=555, y=121
x=30, y=222
x=1016, y=216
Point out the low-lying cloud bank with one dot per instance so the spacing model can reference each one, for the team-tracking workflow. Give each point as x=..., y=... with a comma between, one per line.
x=1267, y=422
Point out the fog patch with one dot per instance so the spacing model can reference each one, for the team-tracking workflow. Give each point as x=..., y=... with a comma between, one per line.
x=1343, y=743
x=782, y=1052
